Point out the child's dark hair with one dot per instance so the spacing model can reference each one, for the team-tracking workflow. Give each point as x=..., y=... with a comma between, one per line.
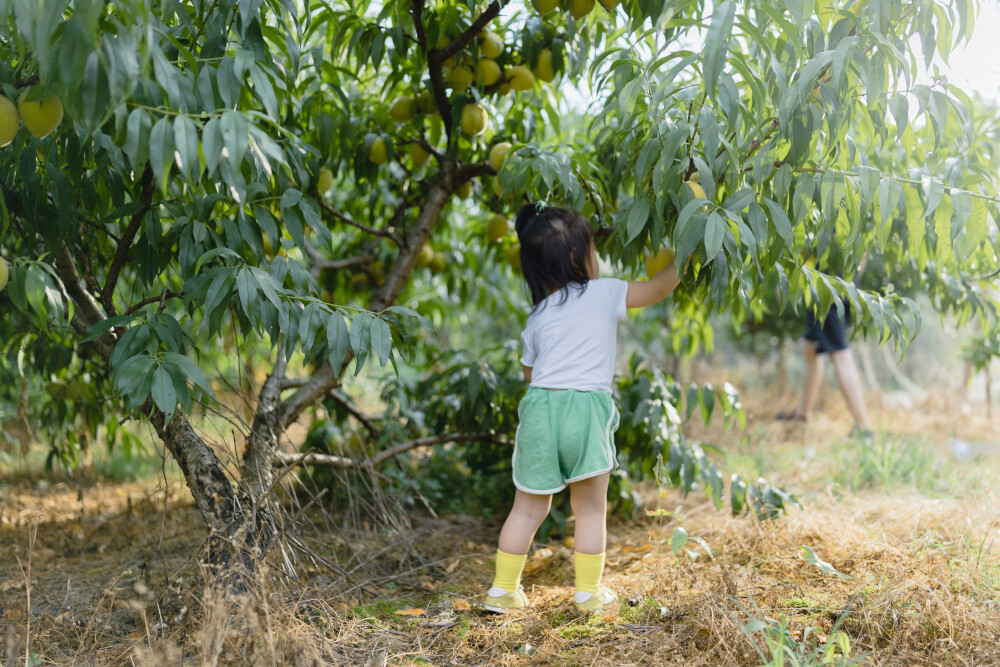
x=555, y=245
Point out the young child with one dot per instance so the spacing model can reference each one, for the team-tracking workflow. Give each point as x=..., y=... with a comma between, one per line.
x=567, y=417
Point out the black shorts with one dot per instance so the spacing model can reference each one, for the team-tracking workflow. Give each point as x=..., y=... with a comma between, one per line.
x=832, y=335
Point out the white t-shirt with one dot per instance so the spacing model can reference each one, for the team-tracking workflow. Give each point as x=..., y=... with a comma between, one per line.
x=572, y=345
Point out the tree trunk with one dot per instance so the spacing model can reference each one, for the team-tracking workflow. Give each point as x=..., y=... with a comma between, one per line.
x=211, y=487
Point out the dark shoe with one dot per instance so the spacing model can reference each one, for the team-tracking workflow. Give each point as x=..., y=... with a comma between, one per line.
x=790, y=416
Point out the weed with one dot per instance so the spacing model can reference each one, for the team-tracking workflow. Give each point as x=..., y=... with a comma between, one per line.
x=885, y=464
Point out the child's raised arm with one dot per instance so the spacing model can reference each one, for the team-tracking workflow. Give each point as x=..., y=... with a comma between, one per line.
x=642, y=293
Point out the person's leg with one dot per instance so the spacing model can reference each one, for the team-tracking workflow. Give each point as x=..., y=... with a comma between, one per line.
x=525, y=517
x=527, y=514
x=589, y=498
x=813, y=380
x=849, y=380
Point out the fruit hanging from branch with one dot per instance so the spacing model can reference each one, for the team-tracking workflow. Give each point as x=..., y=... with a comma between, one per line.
x=40, y=117
x=498, y=153
x=8, y=121
x=474, y=118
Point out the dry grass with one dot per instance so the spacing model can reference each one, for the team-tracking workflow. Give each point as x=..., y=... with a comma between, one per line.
x=115, y=580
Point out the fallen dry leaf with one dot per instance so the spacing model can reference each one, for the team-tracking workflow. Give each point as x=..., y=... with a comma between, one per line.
x=411, y=612
x=633, y=550
x=462, y=605
x=452, y=566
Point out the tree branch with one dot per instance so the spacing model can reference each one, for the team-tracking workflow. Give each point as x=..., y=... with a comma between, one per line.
x=365, y=228
x=121, y=254
x=166, y=294
x=467, y=172
x=470, y=33
x=319, y=266
x=354, y=410
x=434, y=62
x=332, y=461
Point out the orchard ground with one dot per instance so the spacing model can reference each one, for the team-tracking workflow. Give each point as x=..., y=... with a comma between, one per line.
x=114, y=577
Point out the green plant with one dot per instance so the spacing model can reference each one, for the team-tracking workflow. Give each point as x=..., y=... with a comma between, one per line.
x=887, y=463
x=781, y=648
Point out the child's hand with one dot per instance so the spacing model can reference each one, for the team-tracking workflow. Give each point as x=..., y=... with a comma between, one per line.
x=663, y=280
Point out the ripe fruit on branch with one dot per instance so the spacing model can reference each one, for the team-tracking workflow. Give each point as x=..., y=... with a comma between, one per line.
x=425, y=256
x=543, y=7
x=8, y=121
x=474, y=119
x=464, y=191
x=418, y=155
x=610, y=4
x=40, y=117
x=403, y=109
x=659, y=261
x=580, y=8
x=520, y=78
x=487, y=72
x=699, y=192
x=378, y=153
x=460, y=79
x=490, y=44
x=4, y=273
x=496, y=228
x=325, y=180
x=498, y=153
x=543, y=68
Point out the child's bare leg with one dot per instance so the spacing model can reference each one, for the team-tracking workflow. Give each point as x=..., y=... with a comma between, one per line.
x=524, y=519
x=589, y=498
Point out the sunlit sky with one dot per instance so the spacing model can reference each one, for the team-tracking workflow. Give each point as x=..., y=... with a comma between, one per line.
x=976, y=65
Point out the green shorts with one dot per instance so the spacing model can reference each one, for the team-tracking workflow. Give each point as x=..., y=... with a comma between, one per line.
x=563, y=437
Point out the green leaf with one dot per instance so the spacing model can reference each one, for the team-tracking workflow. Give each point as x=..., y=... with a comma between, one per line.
x=716, y=47
x=637, y=216
x=161, y=151
x=337, y=340
x=99, y=329
x=781, y=223
x=138, y=130
x=163, y=392
x=678, y=539
x=715, y=233
x=186, y=141
x=381, y=339
x=942, y=228
x=810, y=557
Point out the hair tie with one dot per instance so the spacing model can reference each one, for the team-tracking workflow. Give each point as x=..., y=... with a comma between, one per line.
x=540, y=206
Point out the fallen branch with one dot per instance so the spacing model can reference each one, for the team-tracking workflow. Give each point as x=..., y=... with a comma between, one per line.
x=332, y=461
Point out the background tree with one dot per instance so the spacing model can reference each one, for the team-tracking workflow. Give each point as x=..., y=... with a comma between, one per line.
x=275, y=172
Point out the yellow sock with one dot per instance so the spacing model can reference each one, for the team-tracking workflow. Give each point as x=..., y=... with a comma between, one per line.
x=589, y=568
x=509, y=568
